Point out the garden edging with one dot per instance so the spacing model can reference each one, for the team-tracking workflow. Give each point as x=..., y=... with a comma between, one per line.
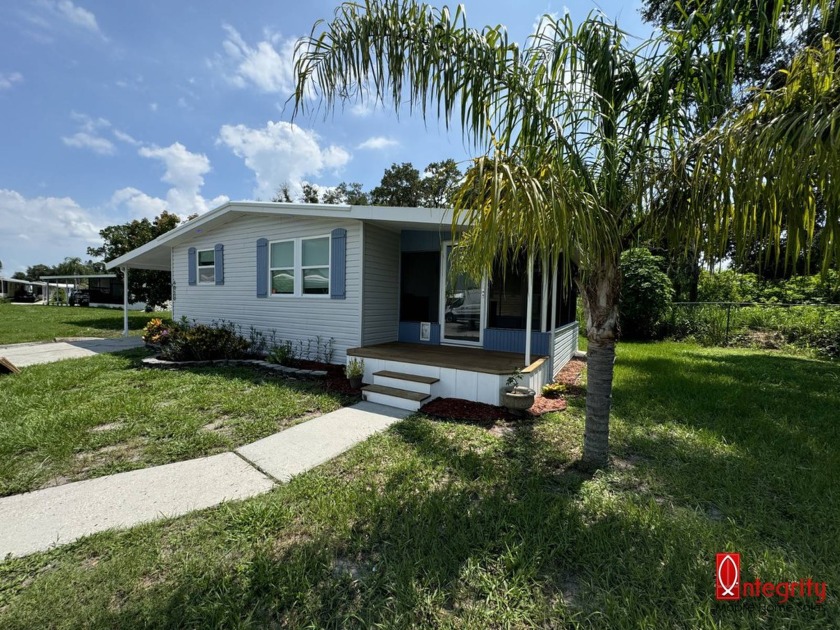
x=161, y=364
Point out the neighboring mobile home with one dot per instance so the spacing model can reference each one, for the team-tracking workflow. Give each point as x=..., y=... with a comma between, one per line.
x=373, y=279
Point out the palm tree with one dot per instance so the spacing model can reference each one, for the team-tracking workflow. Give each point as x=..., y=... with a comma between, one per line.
x=588, y=143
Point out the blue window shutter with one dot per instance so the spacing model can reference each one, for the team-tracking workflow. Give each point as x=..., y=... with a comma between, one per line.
x=262, y=268
x=191, y=266
x=219, y=263
x=338, y=264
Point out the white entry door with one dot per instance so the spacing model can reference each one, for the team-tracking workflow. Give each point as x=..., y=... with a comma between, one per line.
x=463, y=305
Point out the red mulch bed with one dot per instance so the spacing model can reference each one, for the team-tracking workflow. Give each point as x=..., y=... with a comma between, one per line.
x=570, y=375
x=335, y=380
x=481, y=413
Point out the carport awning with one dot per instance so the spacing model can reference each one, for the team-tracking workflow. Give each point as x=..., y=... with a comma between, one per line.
x=157, y=259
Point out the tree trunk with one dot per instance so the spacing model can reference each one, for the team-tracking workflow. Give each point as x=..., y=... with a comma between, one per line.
x=600, y=293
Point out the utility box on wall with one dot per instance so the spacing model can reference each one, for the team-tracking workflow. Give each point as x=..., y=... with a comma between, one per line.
x=425, y=331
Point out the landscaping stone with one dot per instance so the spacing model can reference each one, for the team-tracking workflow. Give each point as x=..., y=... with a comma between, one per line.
x=158, y=363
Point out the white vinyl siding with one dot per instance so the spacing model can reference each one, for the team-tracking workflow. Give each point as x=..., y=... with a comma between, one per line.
x=292, y=318
x=565, y=345
x=380, y=310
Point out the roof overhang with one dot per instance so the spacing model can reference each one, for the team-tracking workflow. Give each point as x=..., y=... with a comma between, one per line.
x=156, y=254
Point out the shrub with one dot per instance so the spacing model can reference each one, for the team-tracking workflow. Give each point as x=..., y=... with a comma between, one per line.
x=355, y=368
x=553, y=390
x=202, y=342
x=156, y=331
x=646, y=293
x=283, y=354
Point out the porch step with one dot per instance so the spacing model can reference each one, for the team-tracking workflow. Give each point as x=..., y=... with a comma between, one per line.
x=394, y=397
x=402, y=376
x=405, y=381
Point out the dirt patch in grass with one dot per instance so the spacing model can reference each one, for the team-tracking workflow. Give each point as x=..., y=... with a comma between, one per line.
x=121, y=453
x=111, y=426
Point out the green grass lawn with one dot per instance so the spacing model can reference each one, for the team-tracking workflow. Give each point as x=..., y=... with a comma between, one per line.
x=442, y=524
x=22, y=323
x=85, y=418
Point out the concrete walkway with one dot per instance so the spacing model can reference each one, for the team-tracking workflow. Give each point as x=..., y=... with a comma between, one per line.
x=39, y=520
x=24, y=354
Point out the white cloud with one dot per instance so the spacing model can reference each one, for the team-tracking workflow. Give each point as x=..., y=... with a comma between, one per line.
x=363, y=109
x=66, y=12
x=97, y=144
x=377, y=143
x=124, y=137
x=269, y=65
x=138, y=204
x=89, y=135
x=58, y=225
x=281, y=152
x=7, y=81
x=185, y=172
x=153, y=107
x=77, y=15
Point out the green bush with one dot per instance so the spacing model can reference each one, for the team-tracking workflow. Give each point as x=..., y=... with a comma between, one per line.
x=283, y=354
x=731, y=286
x=811, y=327
x=646, y=293
x=202, y=342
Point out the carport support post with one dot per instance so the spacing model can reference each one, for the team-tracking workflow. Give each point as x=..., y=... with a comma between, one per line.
x=529, y=309
x=125, y=301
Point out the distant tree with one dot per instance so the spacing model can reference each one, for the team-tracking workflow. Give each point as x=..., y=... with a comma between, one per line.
x=73, y=266
x=283, y=194
x=440, y=183
x=400, y=186
x=310, y=194
x=349, y=193
x=18, y=275
x=152, y=287
x=34, y=272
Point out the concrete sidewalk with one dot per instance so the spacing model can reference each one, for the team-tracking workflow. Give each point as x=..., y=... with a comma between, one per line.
x=25, y=354
x=39, y=520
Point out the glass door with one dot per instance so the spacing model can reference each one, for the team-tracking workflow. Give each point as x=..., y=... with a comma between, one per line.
x=462, y=305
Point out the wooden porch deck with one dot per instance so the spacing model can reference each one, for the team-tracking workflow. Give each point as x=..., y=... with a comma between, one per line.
x=452, y=357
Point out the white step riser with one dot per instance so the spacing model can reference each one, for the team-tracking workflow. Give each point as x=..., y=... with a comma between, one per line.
x=392, y=401
x=409, y=386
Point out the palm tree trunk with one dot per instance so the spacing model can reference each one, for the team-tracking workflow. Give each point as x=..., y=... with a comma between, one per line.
x=600, y=292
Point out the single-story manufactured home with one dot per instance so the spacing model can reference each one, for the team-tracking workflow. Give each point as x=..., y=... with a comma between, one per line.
x=374, y=280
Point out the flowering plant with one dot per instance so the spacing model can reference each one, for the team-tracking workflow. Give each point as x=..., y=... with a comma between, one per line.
x=157, y=331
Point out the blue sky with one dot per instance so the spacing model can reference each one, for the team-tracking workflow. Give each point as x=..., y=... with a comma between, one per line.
x=111, y=111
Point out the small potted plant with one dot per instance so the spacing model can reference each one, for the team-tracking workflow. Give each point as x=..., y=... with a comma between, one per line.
x=516, y=398
x=354, y=371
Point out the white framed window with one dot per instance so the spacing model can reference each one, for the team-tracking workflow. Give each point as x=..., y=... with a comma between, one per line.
x=298, y=267
x=206, y=262
x=281, y=267
x=315, y=265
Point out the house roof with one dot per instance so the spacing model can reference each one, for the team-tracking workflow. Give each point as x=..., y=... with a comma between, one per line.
x=156, y=254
